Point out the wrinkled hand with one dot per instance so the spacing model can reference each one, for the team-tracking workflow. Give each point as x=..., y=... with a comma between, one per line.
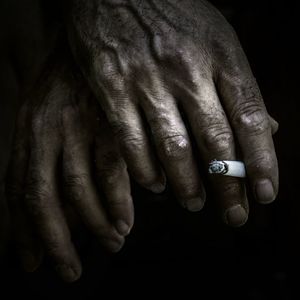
x=64, y=157
x=170, y=61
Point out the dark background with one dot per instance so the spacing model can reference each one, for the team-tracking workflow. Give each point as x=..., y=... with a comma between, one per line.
x=170, y=250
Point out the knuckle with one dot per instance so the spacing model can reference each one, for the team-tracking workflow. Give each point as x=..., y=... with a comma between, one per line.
x=110, y=168
x=251, y=117
x=118, y=202
x=130, y=142
x=215, y=133
x=109, y=177
x=218, y=138
x=36, y=199
x=75, y=186
x=72, y=180
x=175, y=147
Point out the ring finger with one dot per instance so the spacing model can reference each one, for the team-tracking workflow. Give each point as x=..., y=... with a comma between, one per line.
x=215, y=141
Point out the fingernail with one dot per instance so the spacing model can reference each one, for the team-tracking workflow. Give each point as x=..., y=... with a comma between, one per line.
x=122, y=228
x=236, y=216
x=114, y=245
x=264, y=191
x=194, y=204
x=67, y=273
x=30, y=262
x=157, y=188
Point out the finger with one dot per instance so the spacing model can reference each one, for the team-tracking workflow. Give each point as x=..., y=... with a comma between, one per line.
x=113, y=178
x=126, y=122
x=250, y=122
x=174, y=147
x=28, y=248
x=79, y=185
x=136, y=149
x=42, y=200
x=215, y=141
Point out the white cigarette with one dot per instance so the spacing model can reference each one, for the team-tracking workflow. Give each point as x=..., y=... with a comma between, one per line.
x=232, y=168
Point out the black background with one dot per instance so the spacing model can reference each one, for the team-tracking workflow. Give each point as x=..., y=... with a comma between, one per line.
x=172, y=251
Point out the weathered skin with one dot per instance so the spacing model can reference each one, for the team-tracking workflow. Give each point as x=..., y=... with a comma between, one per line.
x=150, y=62
x=64, y=154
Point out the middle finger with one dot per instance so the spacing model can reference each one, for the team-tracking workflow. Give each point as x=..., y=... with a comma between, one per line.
x=80, y=187
x=173, y=146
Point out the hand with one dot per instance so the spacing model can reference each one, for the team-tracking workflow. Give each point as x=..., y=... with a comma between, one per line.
x=64, y=157
x=170, y=61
